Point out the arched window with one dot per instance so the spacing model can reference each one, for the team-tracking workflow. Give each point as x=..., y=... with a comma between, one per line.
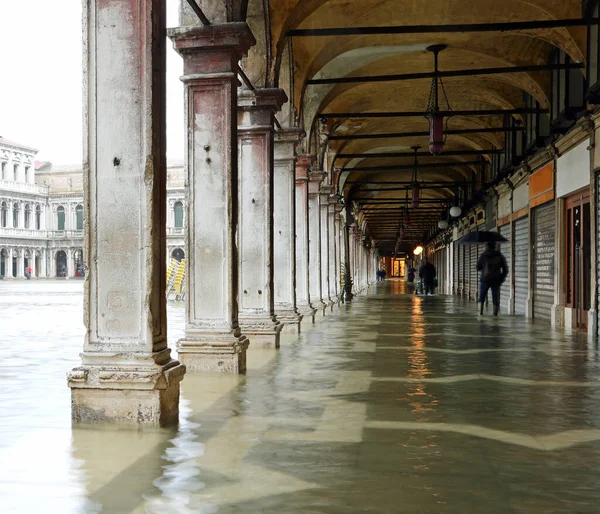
x=38, y=218
x=60, y=218
x=178, y=208
x=79, y=217
x=3, y=214
x=16, y=215
x=27, y=215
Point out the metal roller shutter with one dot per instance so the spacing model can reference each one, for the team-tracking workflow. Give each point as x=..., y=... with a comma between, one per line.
x=543, y=224
x=455, y=267
x=473, y=273
x=521, y=246
x=466, y=275
x=461, y=266
x=505, y=249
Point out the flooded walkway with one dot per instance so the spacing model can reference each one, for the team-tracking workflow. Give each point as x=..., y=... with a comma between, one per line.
x=394, y=403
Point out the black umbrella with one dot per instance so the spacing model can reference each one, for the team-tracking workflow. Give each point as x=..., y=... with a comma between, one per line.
x=481, y=237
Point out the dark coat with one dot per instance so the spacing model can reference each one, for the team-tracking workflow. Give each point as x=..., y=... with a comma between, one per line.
x=427, y=272
x=489, y=253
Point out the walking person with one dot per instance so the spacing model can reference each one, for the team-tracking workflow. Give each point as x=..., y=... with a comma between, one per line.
x=427, y=273
x=494, y=271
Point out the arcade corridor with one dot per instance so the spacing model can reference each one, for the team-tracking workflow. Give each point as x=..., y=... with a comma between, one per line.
x=393, y=403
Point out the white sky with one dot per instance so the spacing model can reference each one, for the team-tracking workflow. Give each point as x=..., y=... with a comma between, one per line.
x=40, y=79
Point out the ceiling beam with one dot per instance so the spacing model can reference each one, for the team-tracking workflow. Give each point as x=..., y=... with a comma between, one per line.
x=449, y=153
x=447, y=28
x=445, y=74
x=405, y=183
x=401, y=167
x=422, y=114
x=423, y=133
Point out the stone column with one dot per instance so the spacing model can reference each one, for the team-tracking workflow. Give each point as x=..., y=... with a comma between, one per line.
x=256, y=111
x=9, y=264
x=44, y=264
x=32, y=262
x=20, y=263
x=333, y=257
x=127, y=373
x=213, y=340
x=314, y=227
x=324, y=195
x=284, y=233
x=70, y=264
x=303, y=302
x=339, y=237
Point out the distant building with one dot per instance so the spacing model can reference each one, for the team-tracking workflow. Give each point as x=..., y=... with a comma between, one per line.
x=42, y=215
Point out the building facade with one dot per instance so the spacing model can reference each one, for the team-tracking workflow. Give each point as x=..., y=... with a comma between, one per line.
x=42, y=215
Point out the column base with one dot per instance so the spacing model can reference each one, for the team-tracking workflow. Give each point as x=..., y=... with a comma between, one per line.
x=111, y=388
x=263, y=331
x=320, y=306
x=557, y=315
x=592, y=323
x=214, y=352
x=291, y=321
x=308, y=313
x=529, y=308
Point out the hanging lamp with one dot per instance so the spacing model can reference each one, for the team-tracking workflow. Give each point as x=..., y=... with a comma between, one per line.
x=433, y=113
x=415, y=186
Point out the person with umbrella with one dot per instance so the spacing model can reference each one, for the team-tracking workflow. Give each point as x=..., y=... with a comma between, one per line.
x=494, y=271
x=492, y=265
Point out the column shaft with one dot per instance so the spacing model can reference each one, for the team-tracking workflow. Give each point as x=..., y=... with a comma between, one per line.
x=127, y=373
x=302, y=239
x=256, y=110
x=314, y=227
x=324, y=194
x=284, y=233
x=213, y=340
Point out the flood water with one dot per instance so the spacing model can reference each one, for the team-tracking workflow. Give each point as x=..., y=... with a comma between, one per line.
x=395, y=403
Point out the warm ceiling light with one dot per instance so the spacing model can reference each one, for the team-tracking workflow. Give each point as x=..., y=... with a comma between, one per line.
x=418, y=250
x=443, y=224
x=455, y=211
x=434, y=115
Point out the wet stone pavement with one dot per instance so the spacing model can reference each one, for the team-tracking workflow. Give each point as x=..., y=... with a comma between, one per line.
x=393, y=404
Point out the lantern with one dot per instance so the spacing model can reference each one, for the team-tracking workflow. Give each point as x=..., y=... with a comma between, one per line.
x=434, y=114
x=416, y=195
x=455, y=211
x=442, y=224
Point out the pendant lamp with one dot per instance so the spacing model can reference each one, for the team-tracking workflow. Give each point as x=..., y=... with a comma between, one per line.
x=434, y=114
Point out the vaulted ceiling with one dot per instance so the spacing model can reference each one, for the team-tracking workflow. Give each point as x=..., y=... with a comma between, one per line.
x=318, y=57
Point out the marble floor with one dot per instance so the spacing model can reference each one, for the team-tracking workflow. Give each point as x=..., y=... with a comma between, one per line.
x=391, y=404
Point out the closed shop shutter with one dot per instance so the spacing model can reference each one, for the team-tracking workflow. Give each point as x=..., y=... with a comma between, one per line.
x=473, y=273
x=543, y=225
x=521, y=246
x=455, y=267
x=465, y=270
x=505, y=249
x=461, y=270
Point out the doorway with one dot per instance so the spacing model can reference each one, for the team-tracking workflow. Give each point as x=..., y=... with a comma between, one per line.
x=578, y=258
x=61, y=264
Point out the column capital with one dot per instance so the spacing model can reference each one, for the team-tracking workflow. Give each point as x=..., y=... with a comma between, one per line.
x=212, y=48
x=290, y=135
x=257, y=108
x=315, y=178
x=303, y=164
